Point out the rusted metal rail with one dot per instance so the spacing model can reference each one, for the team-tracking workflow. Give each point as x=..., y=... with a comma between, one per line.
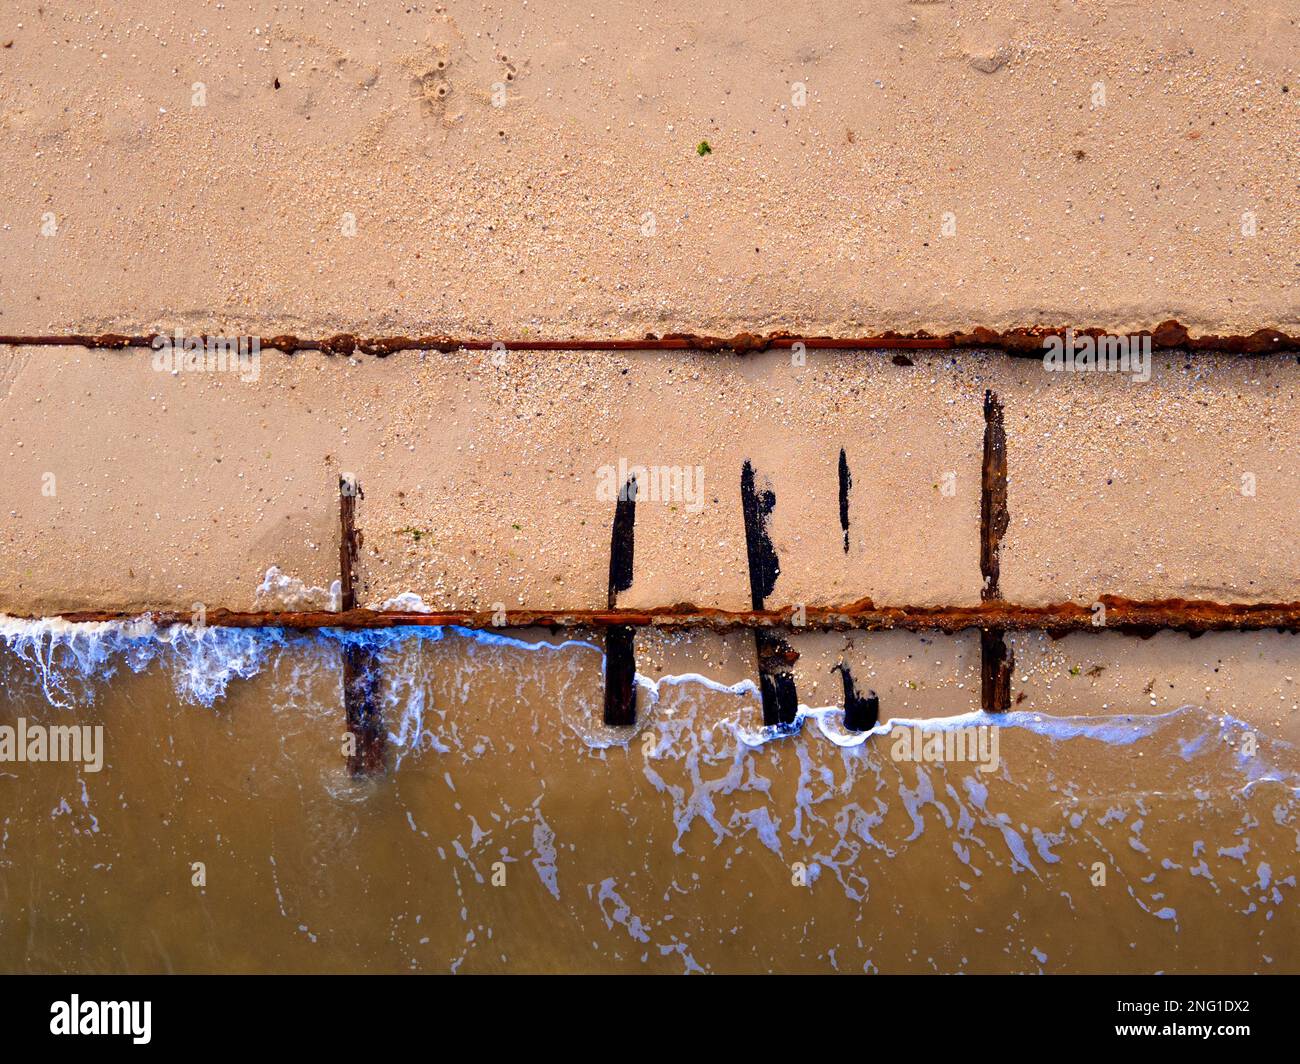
x=1125, y=615
x=1027, y=342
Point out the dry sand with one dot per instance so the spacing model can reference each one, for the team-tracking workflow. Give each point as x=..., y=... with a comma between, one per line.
x=528, y=218
x=513, y=171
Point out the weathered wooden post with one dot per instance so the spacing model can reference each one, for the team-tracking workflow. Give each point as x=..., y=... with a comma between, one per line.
x=775, y=655
x=996, y=661
x=861, y=712
x=360, y=671
x=620, y=660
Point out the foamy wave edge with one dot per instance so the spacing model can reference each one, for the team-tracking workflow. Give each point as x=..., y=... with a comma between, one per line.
x=206, y=659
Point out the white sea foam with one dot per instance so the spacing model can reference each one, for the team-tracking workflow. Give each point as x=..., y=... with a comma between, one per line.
x=205, y=659
x=278, y=591
x=407, y=602
x=70, y=659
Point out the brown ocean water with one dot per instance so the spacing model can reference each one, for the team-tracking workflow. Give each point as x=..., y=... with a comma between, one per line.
x=512, y=832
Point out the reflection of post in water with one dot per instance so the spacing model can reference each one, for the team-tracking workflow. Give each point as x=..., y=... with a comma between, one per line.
x=775, y=655
x=620, y=661
x=360, y=670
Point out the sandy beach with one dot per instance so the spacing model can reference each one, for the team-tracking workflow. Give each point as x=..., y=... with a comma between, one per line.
x=556, y=171
x=483, y=483
x=1095, y=164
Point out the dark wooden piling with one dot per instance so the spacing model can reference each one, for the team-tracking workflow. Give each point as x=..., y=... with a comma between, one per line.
x=775, y=655
x=846, y=482
x=620, y=677
x=360, y=670
x=349, y=490
x=620, y=659
x=861, y=712
x=996, y=660
x=996, y=663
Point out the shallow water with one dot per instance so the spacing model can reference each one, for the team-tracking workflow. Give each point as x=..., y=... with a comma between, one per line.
x=513, y=832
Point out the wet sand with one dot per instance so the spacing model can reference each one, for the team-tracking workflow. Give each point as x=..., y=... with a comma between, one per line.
x=132, y=488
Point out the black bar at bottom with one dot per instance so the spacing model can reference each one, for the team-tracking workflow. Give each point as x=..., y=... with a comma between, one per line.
x=1243, y=1014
